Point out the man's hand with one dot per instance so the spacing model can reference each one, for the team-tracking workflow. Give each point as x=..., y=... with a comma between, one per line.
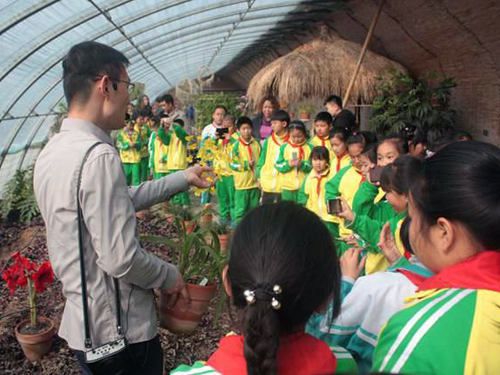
x=388, y=245
x=179, y=290
x=349, y=263
x=193, y=176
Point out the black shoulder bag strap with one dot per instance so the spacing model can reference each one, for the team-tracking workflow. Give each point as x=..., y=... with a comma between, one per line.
x=88, y=341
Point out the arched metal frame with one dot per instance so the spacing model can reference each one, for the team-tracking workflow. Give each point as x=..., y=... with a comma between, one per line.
x=238, y=30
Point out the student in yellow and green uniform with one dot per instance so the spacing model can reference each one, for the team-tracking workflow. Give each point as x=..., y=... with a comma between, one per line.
x=244, y=156
x=142, y=128
x=339, y=155
x=175, y=138
x=269, y=177
x=158, y=151
x=312, y=192
x=395, y=182
x=451, y=325
x=322, y=126
x=129, y=144
x=293, y=161
x=346, y=182
x=224, y=186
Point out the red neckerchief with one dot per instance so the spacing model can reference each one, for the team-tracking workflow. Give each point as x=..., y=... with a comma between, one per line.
x=363, y=176
x=285, y=139
x=481, y=271
x=299, y=354
x=301, y=150
x=319, y=178
x=249, y=149
x=339, y=159
x=323, y=140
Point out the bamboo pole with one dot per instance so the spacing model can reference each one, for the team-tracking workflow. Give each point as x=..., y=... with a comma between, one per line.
x=363, y=52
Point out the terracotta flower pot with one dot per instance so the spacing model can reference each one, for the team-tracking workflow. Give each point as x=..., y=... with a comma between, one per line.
x=185, y=320
x=206, y=220
x=303, y=115
x=190, y=226
x=224, y=240
x=35, y=346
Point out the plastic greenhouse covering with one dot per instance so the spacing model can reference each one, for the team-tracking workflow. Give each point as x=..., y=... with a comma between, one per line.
x=165, y=41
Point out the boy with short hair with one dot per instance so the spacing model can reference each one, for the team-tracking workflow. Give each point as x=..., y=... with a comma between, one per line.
x=244, y=156
x=269, y=177
x=129, y=144
x=322, y=126
x=142, y=128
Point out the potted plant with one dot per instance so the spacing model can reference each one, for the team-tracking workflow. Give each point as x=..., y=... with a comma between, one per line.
x=183, y=214
x=34, y=334
x=198, y=258
x=223, y=232
x=305, y=110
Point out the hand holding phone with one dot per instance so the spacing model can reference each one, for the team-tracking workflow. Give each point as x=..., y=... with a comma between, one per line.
x=375, y=175
x=334, y=206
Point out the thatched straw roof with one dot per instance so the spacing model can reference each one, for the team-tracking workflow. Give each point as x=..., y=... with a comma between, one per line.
x=318, y=69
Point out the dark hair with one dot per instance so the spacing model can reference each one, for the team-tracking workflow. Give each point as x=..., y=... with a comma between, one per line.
x=437, y=138
x=281, y=115
x=414, y=134
x=363, y=137
x=341, y=132
x=324, y=116
x=369, y=150
x=220, y=107
x=228, y=117
x=179, y=121
x=167, y=98
x=462, y=135
x=85, y=62
x=398, y=142
x=334, y=99
x=405, y=234
x=293, y=249
x=397, y=176
x=273, y=101
x=244, y=120
x=298, y=125
x=461, y=182
x=320, y=153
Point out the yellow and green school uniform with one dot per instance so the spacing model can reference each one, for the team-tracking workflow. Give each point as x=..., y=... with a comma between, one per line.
x=293, y=178
x=158, y=153
x=323, y=142
x=312, y=193
x=176, y=141
x=244, y=157
x=450, y=326
x=344, y=184
x=270, y=178
x=224, y=187
x=144, y=133
x=130, y=156
x=337, y=163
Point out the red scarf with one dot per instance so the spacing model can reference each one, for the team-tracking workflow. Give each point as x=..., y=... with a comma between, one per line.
x=285, y=140
x=319, y=178
x=249, y=149
x=323, y=140
x=363, y=176
x=299, y=354
x=481, y=271
x=339, y=159
x=301, y=150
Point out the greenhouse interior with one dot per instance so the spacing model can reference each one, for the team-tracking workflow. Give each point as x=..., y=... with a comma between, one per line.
x=258, y=153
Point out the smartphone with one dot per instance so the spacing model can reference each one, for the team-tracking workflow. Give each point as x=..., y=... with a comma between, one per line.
x=375, y=174
x=295, y=156
x=334, y=206
x=221, y=131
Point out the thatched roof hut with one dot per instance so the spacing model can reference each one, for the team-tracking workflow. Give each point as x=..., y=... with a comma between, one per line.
x=318, y=69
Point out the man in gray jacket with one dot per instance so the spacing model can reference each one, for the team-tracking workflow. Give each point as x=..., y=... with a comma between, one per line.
x=96, y=85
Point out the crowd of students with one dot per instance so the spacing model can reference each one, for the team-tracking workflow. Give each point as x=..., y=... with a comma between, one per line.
x=396, y=231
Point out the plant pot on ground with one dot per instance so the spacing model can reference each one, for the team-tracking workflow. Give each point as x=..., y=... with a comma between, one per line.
x=224, y=234
x=198, y=258
x=35, y=334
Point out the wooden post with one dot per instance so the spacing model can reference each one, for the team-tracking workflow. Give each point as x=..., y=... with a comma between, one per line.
x=363, y=52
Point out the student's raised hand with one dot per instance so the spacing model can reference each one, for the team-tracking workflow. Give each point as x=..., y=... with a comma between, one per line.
x=350, y=264
x=194, y=176
x=346, y=213
x=388, y=245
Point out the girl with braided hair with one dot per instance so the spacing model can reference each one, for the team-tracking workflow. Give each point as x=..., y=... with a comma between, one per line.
x=277, y=280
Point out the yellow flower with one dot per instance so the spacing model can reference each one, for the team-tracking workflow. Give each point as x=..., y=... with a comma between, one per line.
x=189, y=138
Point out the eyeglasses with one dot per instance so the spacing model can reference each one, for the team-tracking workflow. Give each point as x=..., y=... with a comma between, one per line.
x=130, y=85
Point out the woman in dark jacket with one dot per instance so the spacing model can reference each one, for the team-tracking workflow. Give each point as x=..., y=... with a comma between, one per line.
x=262, y=122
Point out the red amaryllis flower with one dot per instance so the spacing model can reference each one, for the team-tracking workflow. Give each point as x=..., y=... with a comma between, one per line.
x=43, y=276
x=15, y=276
x=23, y=263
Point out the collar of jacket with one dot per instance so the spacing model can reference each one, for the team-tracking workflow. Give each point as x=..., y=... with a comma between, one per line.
x=72, y=124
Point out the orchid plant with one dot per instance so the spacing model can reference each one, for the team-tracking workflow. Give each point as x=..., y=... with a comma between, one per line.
x=27, y=274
